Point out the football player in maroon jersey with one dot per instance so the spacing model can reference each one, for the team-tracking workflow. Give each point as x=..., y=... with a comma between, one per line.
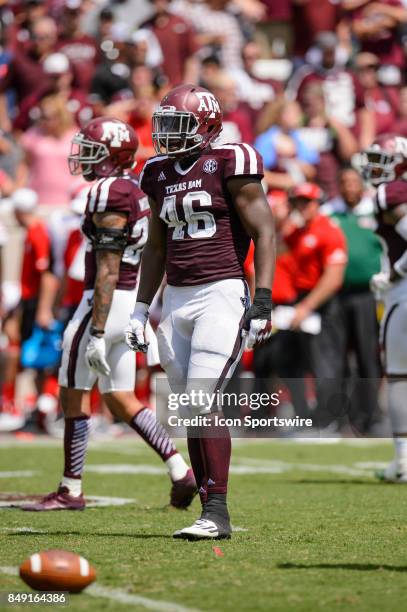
x=207, y=202
x=94, y=348
x=384, y=165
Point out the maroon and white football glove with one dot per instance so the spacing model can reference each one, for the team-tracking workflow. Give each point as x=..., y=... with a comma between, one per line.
x=257, y=321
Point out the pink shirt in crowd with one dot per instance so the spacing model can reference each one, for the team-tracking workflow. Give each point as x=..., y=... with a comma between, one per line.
x=47, y=160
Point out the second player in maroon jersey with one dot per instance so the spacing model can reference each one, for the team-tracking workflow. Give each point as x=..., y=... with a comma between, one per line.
x=94, y=347
x=384, y=165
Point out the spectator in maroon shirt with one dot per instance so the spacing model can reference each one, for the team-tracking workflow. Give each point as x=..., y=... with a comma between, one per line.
x=381, y=100
x=80, y=48
x=59, y=81
x=20, y=30
x=342, y=91
x=275, y=27
x=25, y=70
x=375, y=25
x=178, y=42
x=311, y=17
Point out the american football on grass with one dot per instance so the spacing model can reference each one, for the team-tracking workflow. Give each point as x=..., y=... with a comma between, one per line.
x=57, y=570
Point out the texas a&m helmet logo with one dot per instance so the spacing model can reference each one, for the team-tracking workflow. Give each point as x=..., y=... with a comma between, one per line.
x=114, y=132
x=207, y=102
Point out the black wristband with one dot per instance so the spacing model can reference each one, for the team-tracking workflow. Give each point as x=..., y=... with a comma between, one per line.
x=262, y=295
x=94, y=331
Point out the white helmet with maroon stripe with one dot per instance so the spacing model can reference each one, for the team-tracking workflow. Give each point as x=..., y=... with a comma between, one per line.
x=385, y=160
x=187, y=120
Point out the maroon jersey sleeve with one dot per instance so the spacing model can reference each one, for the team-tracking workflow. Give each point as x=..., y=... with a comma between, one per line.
x=110, y=194
x=148, y=176
x=391, y=195
x=241, y=160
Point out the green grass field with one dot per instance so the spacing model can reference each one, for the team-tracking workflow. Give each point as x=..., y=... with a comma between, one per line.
x=316, y=532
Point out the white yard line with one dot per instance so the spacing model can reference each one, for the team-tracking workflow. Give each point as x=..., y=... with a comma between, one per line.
x=119, y=595
x=20, y=530
x=122, y=596
x=92, y=501
x=263, y=466
x=241, y=466
x=18, y=474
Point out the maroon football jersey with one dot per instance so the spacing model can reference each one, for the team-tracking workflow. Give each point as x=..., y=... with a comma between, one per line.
x=118, y=194
x=389, y=196
x=206, y=240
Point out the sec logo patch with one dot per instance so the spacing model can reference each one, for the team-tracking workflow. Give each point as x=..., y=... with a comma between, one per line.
x=210, y=166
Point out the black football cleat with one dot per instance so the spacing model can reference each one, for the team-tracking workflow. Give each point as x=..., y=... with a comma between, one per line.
x=204, y=529
x=214, y=523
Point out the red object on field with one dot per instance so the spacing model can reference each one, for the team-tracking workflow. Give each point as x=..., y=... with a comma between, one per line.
x=218, y=552
x=24, y=436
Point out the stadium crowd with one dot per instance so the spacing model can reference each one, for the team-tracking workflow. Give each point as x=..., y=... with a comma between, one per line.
x=307, y=82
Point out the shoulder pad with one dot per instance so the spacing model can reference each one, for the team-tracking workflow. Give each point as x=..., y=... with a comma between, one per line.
x=391, y=195
x=241, y=160
x=111, y=193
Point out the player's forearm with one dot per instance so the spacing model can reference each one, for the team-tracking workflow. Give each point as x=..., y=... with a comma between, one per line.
x=264, y=258
x=152, y=272
x=329, y=283
x=106, y=281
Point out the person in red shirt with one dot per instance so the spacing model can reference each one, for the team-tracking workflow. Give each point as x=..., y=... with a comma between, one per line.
x=35, y=259
x=318, y=248
x=72, y=284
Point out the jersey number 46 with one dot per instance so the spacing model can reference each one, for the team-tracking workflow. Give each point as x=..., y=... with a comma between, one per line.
x=197, y=224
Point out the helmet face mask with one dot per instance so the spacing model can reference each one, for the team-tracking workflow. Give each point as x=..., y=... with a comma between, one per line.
x=85, y=154
x=187, y=120
x=174, y=132
x=384, y=161
x=378, y=166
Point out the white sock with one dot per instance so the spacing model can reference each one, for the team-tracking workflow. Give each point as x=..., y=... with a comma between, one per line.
x=400, y=446
x=74, y=485
x=177, y=468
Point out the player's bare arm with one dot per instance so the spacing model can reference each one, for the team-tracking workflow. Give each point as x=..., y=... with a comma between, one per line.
x=255, y=214
x=109, y=243
x=152, y=273
x=154, y=256
x=108, y=264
